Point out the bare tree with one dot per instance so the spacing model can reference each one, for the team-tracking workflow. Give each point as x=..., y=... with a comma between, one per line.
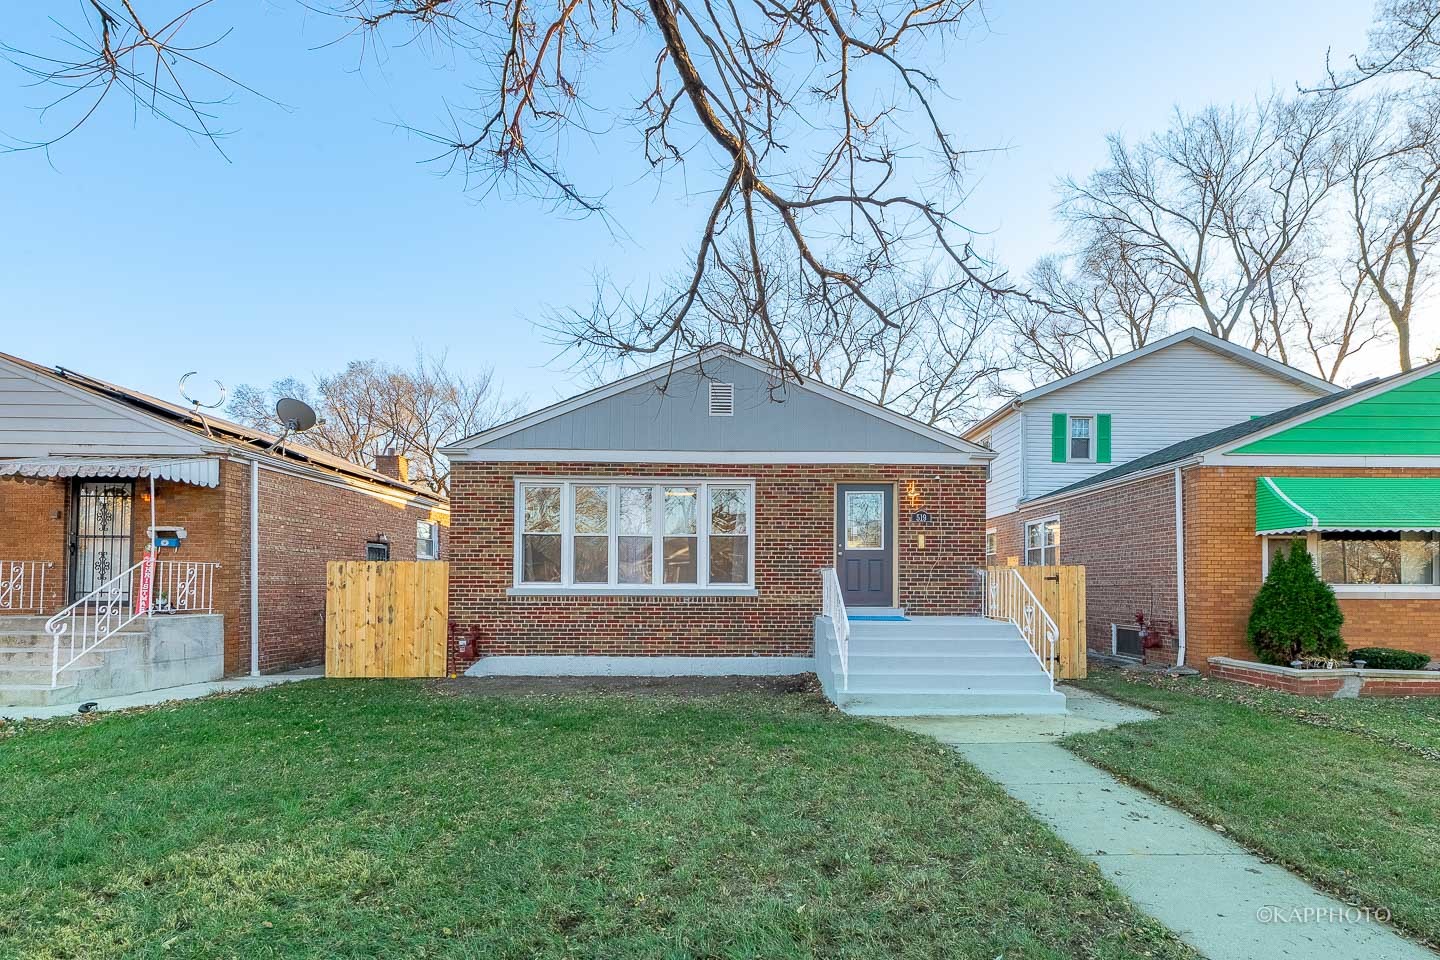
x=1088, y=307
x=1216, y=204
x=807, y=125
x=371, y=408
x=1392, y=169
x=1404, y=40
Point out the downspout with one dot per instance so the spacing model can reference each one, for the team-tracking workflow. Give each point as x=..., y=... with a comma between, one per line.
x=1179, y=568
x=254, y=568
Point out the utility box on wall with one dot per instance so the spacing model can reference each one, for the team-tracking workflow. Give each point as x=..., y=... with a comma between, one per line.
x=167, y=537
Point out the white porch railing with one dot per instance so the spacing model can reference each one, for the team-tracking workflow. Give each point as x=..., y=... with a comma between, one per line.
x=832, y=605
x=22, y=585
x=176, y=586
x=1009, y=597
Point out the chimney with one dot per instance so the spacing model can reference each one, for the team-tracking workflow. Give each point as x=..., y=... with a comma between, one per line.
x=393, y=464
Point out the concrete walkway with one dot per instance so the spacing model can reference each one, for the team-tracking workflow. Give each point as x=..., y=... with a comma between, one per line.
x=1225, y=902
x=151, y=697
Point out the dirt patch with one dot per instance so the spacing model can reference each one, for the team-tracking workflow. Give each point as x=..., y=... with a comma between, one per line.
x=677, y=687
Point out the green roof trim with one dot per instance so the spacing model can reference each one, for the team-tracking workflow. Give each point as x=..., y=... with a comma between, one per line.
x=1293, y=504
x=1401, y=421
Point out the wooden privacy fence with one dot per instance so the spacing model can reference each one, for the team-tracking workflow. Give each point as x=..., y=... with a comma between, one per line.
x=386, y=619
x=1061, y=591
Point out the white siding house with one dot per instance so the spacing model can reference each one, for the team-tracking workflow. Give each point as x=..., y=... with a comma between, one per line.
x=1187, y=384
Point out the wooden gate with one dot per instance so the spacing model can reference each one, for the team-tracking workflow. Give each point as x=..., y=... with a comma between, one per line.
x=1061, y=591
x=386, y=619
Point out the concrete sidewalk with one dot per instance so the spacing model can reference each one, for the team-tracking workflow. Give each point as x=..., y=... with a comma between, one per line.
x=1223, y=901
x=151, y=697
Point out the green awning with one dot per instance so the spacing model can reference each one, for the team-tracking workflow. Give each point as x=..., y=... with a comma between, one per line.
x=1296, y=504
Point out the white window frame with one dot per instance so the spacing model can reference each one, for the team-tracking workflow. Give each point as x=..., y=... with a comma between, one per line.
x=992, y=539
x=1070, y=419
x=1377, y=591
x=566, y=585
x=434, y=540
x=1025, y=544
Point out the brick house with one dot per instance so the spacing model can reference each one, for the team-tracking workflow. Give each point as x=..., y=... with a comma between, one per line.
x=688, y=512
x=1063, y=432
x=1185, y=534
x=91, y=472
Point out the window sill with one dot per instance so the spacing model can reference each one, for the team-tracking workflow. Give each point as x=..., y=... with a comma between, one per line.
x=583, y=591
x=1387, y=591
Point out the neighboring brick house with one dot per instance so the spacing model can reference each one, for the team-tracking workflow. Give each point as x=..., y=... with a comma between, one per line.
x=84, y=465
x=1112, y=413
x=687, y=511
x=1354, y=475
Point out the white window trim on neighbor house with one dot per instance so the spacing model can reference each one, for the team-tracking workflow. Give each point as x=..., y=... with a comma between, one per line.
x=1025, y=547
x=1091, y=438
x=427, y=540
x=992, y=548
x=1374, y=591
x=567, y=533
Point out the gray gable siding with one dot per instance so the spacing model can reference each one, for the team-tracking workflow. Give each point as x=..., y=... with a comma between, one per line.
x=768, y=418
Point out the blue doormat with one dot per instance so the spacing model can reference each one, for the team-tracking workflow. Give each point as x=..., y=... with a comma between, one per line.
x=886, y=619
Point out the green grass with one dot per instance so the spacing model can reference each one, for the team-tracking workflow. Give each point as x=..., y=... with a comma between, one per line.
x=1345, y=792
x=380, y=819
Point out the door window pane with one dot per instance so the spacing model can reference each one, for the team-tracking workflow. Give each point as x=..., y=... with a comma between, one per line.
x=1079, y=438
x=864, y=520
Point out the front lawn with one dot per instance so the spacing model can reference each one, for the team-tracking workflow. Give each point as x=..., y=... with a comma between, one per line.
x=1346, y=792
x=386, y=819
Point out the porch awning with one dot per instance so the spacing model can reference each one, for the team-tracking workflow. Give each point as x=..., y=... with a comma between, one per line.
x=197, y=471
x=1297, y=504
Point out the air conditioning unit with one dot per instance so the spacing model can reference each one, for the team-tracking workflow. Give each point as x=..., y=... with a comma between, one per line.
x=1126, y=642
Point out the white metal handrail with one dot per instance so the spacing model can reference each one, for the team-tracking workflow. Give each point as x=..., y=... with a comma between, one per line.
x=1009, y=597
x=832, y=605
x=178, y=586
x=22, y=585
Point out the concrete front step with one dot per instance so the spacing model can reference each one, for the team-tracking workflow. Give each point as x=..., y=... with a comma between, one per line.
x=27, y=676
x=948, y=663
x=1033, y=682
x=36, y=694
x=950, y=704
x=931, y=648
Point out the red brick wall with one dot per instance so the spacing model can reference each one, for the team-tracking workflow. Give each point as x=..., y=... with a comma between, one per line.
x=32, y=518
x=1125, y=538
x=1223, y=568
x=304, y=524
x=795, y=536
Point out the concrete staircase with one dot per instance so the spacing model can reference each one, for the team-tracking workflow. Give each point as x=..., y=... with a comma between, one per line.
x=933, y=666
x=26, y=658
x=148, y=654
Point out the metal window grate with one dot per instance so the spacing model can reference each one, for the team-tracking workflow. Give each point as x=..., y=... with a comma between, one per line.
x=722, y=399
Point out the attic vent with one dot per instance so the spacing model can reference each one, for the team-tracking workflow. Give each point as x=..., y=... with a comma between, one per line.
x=722, y=399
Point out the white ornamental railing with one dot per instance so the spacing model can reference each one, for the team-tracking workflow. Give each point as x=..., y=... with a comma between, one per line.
x=832, y=605
x=1009, y=597
x=145, y=589
x=22, y=585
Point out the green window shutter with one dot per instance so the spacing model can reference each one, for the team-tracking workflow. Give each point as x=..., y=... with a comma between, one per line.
x=1102, y=438
x=1059, y=426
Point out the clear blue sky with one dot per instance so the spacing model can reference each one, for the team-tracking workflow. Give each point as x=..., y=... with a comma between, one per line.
x=134, y=253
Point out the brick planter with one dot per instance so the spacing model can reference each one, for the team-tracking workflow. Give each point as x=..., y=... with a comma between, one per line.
x=1342, y=682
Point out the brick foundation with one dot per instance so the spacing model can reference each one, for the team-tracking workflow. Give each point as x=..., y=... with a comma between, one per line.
x=1328, y=683
x=794, y=537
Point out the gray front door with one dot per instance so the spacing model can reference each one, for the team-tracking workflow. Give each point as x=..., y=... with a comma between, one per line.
x=865, y=543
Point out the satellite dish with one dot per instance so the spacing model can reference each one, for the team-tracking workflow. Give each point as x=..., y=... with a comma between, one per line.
x=297, y=415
